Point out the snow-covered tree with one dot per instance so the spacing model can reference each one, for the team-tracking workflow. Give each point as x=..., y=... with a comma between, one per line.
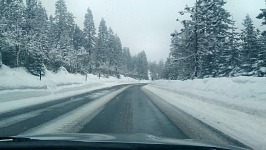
x=197, y=49
x=90, y=39
x=90, y=32
x=36, y=37
x=213, y=25
x=101, y=50
x=54, y=57
x=64, y=29
x=250, y=48
x=29, y=39
x=12, y=23
x=154, y=70
x=114, y=51
x=169, y=70
x=126, y=62
x=262, y=53
x=229, y=57
x=142, y=66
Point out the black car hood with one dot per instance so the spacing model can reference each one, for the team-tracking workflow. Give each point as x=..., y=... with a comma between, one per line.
x=139, y=138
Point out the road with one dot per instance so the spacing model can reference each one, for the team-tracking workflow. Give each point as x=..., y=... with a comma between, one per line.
x=21, y=120
x=134, y=110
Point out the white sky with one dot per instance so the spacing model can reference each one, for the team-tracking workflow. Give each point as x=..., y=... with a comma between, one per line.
x=147, y=24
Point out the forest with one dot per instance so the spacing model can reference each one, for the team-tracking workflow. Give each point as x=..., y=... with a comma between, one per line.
x=31, y=39
x=210, y=45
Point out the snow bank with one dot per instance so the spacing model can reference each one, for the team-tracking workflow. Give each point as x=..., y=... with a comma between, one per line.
x=235, y=106
x=17, y=83
x=247, y=94
x=19, y=78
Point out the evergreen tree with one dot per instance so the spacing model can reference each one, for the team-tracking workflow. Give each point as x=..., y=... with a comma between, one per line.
x=90, y=38
x=64, y=24
x=229, y=58
x=198, y=47
x=262, y=15
x=13, y=31
x=182, y=53
x=154, y=70
x=89, y=31
x=54, y=57
x=114, y=51
x=262, y=53
x=213, y=28
x=36, y=44
x=250, y=48
x=126, y=62
x=169, y=70
x=80, y=55
x=101, y=52
x=142, y=66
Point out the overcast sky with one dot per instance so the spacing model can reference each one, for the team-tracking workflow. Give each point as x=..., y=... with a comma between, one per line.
x=147, y=24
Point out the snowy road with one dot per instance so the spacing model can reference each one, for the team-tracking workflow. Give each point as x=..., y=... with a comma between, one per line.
x=25, y=119
x=120, y=109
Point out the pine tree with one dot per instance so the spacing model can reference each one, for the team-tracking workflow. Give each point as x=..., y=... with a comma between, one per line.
x=90, y=39
x=262, y=53
x=229, y=57
x=54, y=57
x=89, y=31
x=182, y=53
x=36, y=44
x=169, y=70
x=154, y=70
x=101, y=52
x=262, y=15
x=13, y=32
x=114, y=52
x=80, y=55
x=126, y=62
x=64, y=23
x=250, y=48
x=142, y=66
x=203, y=40
x=213, y=28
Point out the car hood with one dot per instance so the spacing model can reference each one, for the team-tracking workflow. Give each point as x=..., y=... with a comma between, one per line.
x=139, y=138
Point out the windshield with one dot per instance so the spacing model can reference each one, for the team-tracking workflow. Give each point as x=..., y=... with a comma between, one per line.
x=192, y=70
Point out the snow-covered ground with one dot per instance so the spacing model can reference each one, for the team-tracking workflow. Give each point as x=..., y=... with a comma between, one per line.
x=19, y=89
x=235, y=106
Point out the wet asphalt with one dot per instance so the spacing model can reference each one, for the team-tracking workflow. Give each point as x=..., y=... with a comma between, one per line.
x=133, y=112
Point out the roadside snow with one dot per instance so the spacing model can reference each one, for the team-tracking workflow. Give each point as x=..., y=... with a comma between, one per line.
x=17, y=83
x=246, y=94
x=235, y=106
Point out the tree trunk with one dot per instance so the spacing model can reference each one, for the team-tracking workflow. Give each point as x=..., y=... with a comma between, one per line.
x=17, y=54
x=0, y=59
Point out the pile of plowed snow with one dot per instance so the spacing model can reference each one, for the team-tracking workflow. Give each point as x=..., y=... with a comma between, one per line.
x=247, y=94
x=19, y=78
